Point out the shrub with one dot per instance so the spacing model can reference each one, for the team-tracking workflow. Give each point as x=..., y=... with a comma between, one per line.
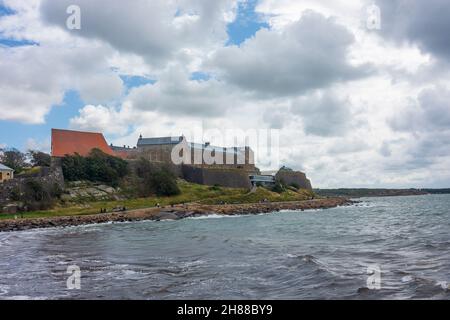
x=155, y=180
x=15, y=194
x=36, y=195
x=215, y=187
x=295, y=185
x=278, y=187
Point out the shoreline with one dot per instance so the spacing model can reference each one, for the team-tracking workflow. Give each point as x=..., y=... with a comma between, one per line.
x=176, y=212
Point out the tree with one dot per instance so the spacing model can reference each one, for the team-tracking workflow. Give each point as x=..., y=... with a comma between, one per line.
x=14, y=159
x=97, y=167
x=39, y=159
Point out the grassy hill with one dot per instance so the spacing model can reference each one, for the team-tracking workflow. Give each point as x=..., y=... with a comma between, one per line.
x=189, y=193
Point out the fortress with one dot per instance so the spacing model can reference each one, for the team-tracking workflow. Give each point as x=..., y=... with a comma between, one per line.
x=194, y=162
x=178, y=151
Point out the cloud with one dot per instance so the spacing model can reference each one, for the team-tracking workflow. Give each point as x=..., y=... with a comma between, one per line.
x=385, y=149
x=102, y=119
x=309, y=54
x=276, y=117
x=27, y=90
x=157, y=30
x=100, y=88
x=35, y=78
x=347, y=146
x=175, y=94
x=323, y=114
x=423, y=23
x=429, y=112
x=173, y=97
x=33, y=144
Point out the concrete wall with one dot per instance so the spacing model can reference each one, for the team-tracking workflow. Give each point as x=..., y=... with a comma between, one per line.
x=232, y=178
x=291, y=177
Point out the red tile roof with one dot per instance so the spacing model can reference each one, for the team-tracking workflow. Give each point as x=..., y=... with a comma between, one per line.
x=67, y=142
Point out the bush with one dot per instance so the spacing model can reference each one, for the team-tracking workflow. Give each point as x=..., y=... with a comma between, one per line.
x=278, y=187
x=97, y=167
x=215, y=187
x=295, y=185
x=155, y=180
x=38, y=196
x=15, y=194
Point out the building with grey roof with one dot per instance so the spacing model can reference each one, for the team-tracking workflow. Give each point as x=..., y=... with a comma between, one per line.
x=198, y=154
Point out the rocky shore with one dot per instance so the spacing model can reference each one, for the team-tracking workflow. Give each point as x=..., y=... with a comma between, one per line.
x=171, y=213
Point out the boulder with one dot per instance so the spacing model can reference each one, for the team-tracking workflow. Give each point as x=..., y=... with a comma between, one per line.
x=166, y=216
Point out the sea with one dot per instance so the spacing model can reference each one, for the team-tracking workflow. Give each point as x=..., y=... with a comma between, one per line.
x=380, y=248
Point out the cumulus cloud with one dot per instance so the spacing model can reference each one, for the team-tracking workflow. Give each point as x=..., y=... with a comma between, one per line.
x=385, y=149
x=43, y=145
x=157, y=30
x=176, y=94
x=420, y=22
x=276, y=117
x=35, y=78
x=429, y=112
x=346, y=146
x=102, y=119
x=323, y=114
x=24, y=94
x=308, y=54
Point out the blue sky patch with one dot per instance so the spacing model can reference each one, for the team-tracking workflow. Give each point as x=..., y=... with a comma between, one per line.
x=5, y=11
x=16, y=43
x=200, y=76
x=136, y=81
x=246, y=24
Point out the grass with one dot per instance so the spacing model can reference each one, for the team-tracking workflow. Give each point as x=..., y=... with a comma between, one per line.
x=29, y=171
x=189, y=193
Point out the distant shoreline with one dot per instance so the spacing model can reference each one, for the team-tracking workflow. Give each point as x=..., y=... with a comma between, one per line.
x=171, y=213
x=368, y=193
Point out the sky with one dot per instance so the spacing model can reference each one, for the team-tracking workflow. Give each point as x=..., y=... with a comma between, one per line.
x=358, y=90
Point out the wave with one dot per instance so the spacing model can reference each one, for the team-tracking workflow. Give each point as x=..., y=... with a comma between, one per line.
x=216, y=216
